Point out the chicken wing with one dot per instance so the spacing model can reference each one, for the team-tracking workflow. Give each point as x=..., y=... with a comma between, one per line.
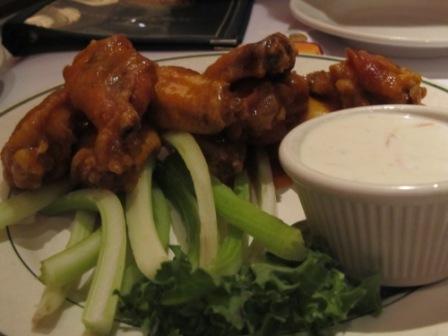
x=271, y=56
x=273, y=108
x=39, y=150
x=365, y=79
x=112, y=84
x=274, y=97
x=188, y=101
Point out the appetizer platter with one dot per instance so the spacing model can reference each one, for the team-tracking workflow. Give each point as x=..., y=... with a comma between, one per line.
x=132, y=133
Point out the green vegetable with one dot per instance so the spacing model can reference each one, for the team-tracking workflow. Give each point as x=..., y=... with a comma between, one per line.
x=270, y=298
x=27, y=203
x=68, y=265
x=278, y=237
x=101, y=301
x=148, y=251
x=172, y=176
x=266, y=197
x=190, y=152
x=265, y=188
x=232, y=251
x=131, y=276
x=53, y=297
x=162, y=215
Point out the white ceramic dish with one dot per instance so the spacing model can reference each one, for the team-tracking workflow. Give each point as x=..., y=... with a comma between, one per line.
x=376, y=221
x=23, y=246
x=407, y=28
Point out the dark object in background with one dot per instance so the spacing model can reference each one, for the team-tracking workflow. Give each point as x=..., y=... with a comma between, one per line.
x=7, y=7
x=149, y=24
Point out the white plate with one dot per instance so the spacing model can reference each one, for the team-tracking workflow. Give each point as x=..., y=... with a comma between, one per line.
x=418, y=312
x=408, y=28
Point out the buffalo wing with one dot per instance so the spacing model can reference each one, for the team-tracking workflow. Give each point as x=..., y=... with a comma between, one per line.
x=366, y=79
x=113, y=85
x=39, y=150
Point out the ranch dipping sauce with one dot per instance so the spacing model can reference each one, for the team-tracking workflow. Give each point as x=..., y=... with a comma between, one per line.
x=386, y=148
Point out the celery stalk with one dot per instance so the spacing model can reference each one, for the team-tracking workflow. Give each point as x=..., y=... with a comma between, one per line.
x=149, y=253
x=53, y=297
x=162, y=215
x=278, y=237
x=101, y=301
x=176, y=184
x=266, y=196
x=71, y=263
x=27, y=203
x=265, y=188
x=190, y=152
x=233, y=247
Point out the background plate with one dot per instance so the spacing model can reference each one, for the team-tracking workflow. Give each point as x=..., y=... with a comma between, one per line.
x=408, y=28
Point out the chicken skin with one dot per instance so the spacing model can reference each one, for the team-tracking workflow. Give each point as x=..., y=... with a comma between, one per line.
x=188, y=101
x=39, y=150
x=113, y=85
x=273, y=108
x=269, y=57
x=274, y=97
x=365, y=79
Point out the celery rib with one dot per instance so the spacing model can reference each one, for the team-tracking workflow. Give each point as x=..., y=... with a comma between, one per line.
x=162, y=215
x=173, y=178
x=278, y=237
x=101, y=303
x=53, y=297
x=232, y=251
x=192, y=155
x=146, y=246
x=27, y=203
x=71, y=263
x=266, y=197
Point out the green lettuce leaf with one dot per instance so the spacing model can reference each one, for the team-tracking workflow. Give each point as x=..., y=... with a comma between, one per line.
x=269, y=298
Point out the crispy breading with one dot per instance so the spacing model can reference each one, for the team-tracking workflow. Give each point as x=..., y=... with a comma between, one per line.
x=39, y=150
x=366, y=79
x=113, y=85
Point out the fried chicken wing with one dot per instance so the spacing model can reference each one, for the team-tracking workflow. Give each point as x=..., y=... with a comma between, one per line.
x=365, y=79
x=39, y=150
x=272, y=56
x=388, y=82
x=112, y=84
x=273, y=108
x=274, y=98
x=188, y=101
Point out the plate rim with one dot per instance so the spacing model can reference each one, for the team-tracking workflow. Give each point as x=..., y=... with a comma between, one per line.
x=378, y=39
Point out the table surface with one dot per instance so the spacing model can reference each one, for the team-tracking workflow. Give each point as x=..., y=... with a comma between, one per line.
x=267, y=16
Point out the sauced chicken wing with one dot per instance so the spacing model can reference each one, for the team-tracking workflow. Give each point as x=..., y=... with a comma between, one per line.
x=274, y=98
x=273, y=107
x=272, y=56
x=39, y=150
x=365, y=79
x=188, y=101
x=112, y=84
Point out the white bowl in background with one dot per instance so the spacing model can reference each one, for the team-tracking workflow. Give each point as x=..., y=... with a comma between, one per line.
x=396, y=225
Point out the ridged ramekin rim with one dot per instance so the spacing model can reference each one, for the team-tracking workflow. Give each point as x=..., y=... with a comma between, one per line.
x=302, y=174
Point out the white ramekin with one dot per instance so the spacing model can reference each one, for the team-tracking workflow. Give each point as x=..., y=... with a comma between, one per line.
x=400, y=232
